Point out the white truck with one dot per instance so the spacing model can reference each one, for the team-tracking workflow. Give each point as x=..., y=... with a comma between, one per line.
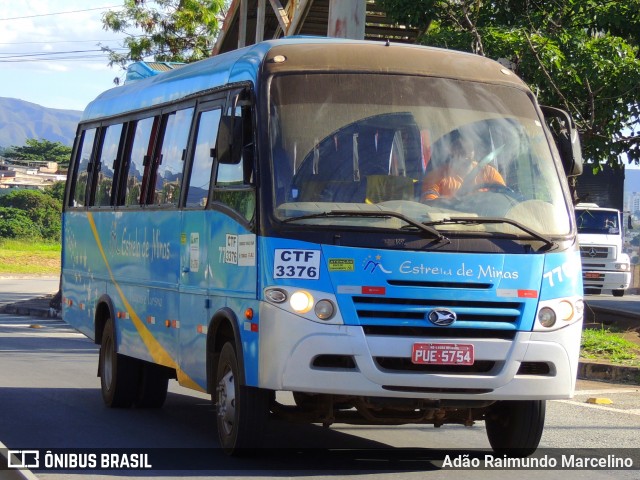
x=604, y=266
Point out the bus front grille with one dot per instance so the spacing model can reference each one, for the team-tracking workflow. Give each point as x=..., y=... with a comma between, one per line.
x=414, y=311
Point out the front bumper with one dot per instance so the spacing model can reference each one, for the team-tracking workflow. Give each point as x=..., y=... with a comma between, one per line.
x=606, y=280
x=289, y=346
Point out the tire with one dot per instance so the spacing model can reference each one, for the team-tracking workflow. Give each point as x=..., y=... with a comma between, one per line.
x=152, y=390
x=119, y=374
x=514, y=428
x=241, y=411
x=618, y=293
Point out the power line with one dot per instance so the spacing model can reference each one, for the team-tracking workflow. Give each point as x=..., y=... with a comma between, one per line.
x=61, y=41
x=44, y=54
x=61, y=13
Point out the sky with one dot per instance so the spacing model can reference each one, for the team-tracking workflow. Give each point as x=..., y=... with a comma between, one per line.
x=49, y=52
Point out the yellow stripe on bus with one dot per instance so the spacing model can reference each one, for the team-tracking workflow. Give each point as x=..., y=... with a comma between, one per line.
x=156, y=350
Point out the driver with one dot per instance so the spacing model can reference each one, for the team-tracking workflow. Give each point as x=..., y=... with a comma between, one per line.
x=447, y=179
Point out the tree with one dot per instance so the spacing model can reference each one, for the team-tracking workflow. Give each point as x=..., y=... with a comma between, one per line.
x=14, y=223
x=42, y=210
x=40, y=151
x=172, y=30
x=56, y=191
x=579, y=55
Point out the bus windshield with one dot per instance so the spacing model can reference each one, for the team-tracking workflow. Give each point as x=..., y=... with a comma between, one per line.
x=430, y=149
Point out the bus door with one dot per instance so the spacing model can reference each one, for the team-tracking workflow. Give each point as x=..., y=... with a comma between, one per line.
x=195, y=252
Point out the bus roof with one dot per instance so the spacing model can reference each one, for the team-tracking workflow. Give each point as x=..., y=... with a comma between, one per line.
x=307, y=53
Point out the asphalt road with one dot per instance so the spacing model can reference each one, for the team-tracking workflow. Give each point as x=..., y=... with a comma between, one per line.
x=14, y=289
x=628, y=303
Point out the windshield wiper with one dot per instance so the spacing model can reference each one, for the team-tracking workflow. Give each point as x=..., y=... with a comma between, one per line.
x=477, y=221
x=371, y=214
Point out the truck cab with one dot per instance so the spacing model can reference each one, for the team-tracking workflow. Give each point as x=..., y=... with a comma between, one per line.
x=604, y=266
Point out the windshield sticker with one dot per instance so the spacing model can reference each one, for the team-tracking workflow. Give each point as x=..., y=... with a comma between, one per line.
x=341, y=265
x=247, y=250
x=239, y=250
x=194, y=252
x=301, y=264
x=231, y=249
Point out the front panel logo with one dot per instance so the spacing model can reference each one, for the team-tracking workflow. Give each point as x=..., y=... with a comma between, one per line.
x=443, y=317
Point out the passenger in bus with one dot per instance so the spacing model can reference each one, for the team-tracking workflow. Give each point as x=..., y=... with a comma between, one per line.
x=446, y=180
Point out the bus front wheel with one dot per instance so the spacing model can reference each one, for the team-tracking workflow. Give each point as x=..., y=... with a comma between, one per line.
x=241, y=411
x=514, y=428
x=118, y=373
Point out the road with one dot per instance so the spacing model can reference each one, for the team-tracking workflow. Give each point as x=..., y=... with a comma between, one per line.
x=50, y=399
x=628, y=303
x=14, y=289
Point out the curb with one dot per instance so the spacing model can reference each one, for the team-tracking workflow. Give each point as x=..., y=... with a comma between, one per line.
x=606, y=372
x=30, y=311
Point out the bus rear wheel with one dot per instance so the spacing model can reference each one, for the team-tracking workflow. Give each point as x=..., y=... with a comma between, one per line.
x=118, y=373
x=241, y=411
x=514, y=428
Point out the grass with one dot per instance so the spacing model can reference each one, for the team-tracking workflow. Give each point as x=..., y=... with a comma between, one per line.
x=29, y=257
x=603, y=344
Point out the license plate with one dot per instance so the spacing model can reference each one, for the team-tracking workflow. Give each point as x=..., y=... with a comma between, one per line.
x=591, y=275
x=442, y=353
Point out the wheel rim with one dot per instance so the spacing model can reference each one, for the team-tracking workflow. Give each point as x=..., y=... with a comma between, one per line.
x=107, y=364
x=226, y=405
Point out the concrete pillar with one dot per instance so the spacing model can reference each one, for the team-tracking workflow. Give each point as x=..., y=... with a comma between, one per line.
x=347, y=19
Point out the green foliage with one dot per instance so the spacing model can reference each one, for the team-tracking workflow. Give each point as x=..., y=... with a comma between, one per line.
x=14, y=223
x=579, y=55
x=606, y=344
x=173, y=30
x=56, y=191
x=31, y=258
x=40, y=151
x=40, y=209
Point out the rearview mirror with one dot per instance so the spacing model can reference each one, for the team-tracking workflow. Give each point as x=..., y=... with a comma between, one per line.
x=565, y=135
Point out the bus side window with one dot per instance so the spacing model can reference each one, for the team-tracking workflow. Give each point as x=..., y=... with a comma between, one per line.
x=233, y=182
x=106, y=165
x=139, y=161
x=200, y=175
x=166, y=177
x=81, y=171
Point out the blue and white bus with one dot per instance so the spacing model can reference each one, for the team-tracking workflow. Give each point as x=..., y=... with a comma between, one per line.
x=257, y=222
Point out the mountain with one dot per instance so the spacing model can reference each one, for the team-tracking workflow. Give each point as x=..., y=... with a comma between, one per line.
x=20, y=120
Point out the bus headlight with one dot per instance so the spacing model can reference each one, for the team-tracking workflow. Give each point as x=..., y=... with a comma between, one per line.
x=622, y=266
x=276, y=295
x=315, y=305
x=325, y=309
x=565, y=310
x=547, y=317
x=558, y=313
x=301, y=301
